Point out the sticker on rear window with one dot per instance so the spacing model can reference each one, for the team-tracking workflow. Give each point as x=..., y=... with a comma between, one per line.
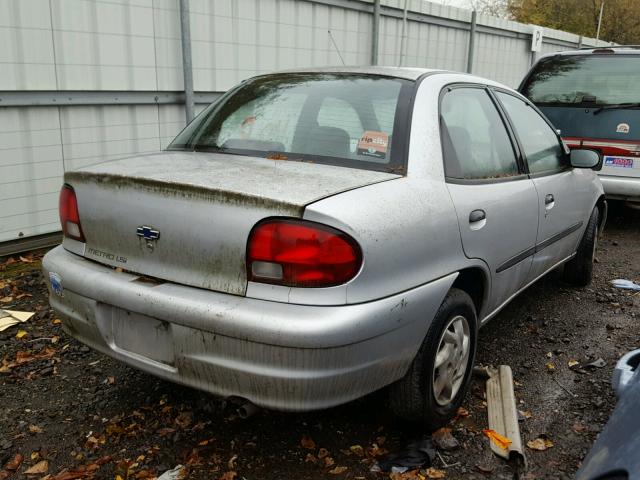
x=622, y=128
x=373, y=144
x=623, y=162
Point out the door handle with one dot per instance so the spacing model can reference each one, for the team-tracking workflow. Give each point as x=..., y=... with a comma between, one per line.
x=549, y=199
x=477, y=216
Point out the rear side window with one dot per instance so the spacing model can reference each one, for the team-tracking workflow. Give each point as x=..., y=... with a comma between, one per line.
x=575, y=79
x=539, y=141
x=475, y=142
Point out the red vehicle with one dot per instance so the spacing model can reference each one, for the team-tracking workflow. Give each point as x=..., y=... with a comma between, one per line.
x=593, y=97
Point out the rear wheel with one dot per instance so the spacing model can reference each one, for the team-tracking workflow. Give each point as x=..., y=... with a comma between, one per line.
x=433, y=389
x=579, y=270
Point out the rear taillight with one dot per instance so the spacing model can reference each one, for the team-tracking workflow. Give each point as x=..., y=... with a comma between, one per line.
x=69, y=216
x=298, y=253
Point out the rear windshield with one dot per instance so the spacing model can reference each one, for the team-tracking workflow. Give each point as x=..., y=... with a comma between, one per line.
x=585, y=79
x=339, y=119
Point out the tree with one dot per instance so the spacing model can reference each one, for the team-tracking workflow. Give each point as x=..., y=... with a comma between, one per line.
x=620, y=21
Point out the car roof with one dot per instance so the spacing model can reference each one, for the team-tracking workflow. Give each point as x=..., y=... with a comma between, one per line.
x=408, y=73
x=615, y=49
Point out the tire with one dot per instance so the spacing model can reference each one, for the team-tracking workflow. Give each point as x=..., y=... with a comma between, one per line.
x=579, y=270
x=414, y=397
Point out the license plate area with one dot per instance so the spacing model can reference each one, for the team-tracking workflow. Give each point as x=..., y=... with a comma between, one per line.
x=138, y=335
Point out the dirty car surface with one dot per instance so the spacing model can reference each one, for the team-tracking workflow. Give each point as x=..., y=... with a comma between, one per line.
x=318, y=235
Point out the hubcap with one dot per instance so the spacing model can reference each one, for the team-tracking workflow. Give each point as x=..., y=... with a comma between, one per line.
x=451, y=360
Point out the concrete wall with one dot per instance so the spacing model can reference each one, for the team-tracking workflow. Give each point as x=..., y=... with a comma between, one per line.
x=60, y=46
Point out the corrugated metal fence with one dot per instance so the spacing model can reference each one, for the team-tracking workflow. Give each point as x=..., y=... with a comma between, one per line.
x=88, y=80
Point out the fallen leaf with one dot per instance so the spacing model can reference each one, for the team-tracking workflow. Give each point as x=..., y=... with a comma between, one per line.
x=375, y=451
x=21, y=333
x=550, y=366
x=444, y=440
x=357, y=449
x=323, y=452
x=6, y=299
x=307, y=442
x=311, y=458
x=435, y=473
x=328, y=462
x=573, y=363
x=184, y=419
x=462, y=412
x=231, y=464
x=41, y=467
x=408, y=475
x=499, y=440
x=525, y=414
x=56, y=321
x=229, y=476
x=23, y=357
x=14, y=463
x=579, y=427
x=111, y=380
x=144, y=474
x=540, y=444
x=338, y=470
x=35, y=429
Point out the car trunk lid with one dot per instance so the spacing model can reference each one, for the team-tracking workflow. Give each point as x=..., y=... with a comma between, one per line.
x=185, y=217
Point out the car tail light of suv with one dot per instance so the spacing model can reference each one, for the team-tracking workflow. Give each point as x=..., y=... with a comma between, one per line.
x=299, y=253
x=69, y=216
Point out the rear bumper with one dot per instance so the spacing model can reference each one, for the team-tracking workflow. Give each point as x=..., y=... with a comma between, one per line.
x=621, y=188
x=278, y=355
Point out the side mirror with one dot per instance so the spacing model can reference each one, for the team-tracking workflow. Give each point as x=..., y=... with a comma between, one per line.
x=585, y=159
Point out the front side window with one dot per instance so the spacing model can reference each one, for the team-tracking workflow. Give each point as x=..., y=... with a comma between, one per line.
x=475, y=141
x=539, y=141
x=346, y=119
x=584, y=79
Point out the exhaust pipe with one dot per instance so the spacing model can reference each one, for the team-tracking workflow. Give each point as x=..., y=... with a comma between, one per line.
x=247, y=409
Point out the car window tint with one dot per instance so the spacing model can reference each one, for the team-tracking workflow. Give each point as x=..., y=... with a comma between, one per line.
x=336, y=118
x=574, y=79
x=539, y=141
x=335, y=112
x=476, y=144
x=261, y=123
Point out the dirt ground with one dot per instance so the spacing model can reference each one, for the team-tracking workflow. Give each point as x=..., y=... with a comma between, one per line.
x=87, y=416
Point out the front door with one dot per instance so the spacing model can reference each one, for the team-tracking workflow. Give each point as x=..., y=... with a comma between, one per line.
x=563, y=192
x=496, y=203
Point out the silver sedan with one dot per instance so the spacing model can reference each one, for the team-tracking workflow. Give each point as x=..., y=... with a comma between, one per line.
x=317, y=235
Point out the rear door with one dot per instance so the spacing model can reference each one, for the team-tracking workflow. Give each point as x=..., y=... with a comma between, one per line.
x=495, y=201
x=564, y=193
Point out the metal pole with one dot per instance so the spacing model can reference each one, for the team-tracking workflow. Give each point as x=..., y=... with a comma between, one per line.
x=404, y=30
x=472, y=41
x=375, y=32
x=580, y=43
x=187, y=67
x=600, y=20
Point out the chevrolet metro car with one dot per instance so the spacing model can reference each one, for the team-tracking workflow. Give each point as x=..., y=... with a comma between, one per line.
x=317, y=235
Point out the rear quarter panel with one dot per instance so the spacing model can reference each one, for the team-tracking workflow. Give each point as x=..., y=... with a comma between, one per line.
x=407, y=227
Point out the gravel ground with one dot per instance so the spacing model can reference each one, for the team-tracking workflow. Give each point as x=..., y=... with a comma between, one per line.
x=73, y=413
